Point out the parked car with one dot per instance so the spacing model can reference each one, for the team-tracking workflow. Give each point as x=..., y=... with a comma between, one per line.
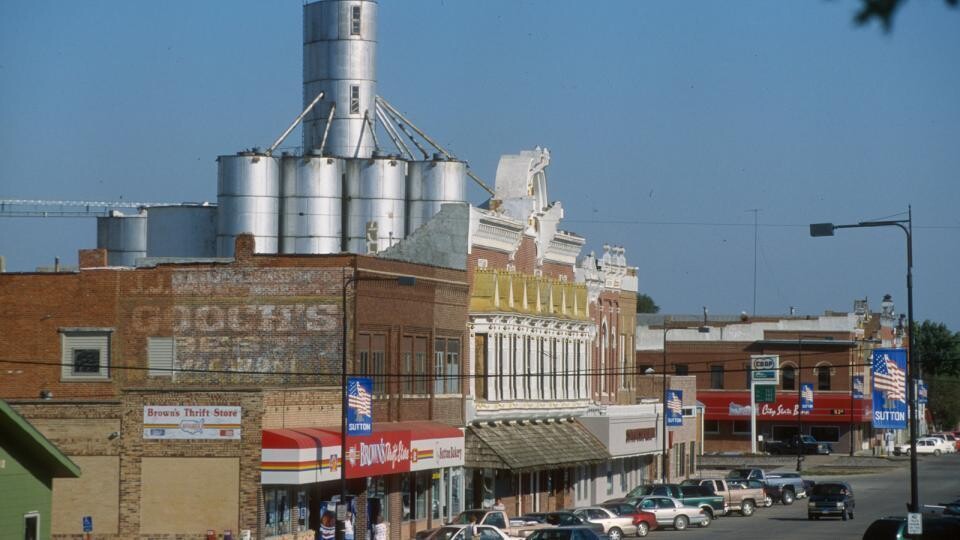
x=742, y=496
x=574, y=532
x=493, y=518
x=806, y=444
x=645, y=521
x=943, y=509
x=539, y=520
x=950, y=442
x=671, y=512
x=831, y=499
x=895, y=528
x=614, y=526
x=788, y=486
x=925, y=445
x=713, y=506
x=456, y=532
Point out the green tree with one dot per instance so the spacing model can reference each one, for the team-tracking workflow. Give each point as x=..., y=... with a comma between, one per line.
x=645, y=304
x=938, y=350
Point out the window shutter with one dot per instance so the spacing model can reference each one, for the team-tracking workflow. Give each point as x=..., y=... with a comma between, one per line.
x=160, y=354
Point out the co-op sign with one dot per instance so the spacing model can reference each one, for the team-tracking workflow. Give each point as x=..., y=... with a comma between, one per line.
x=765, y=368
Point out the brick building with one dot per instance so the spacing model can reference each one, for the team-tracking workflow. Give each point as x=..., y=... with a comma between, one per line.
x=828, y=352
x=552, y=340
x=204, y=394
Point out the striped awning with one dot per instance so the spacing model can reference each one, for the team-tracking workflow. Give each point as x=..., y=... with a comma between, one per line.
x=297, y=456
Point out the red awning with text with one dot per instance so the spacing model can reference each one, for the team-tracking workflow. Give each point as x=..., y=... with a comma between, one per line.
x=309, y=455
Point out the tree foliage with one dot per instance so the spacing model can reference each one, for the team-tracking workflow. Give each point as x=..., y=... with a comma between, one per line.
x=883, y=11
x=645, y=304
x=938, y=350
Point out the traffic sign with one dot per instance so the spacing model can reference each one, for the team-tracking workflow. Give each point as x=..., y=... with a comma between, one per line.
x=764, y=393
x=87, y=524
x=765, y=368
x=914, y=523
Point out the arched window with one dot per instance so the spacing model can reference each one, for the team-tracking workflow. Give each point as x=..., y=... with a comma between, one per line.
x=823, y=377
x=789, y=375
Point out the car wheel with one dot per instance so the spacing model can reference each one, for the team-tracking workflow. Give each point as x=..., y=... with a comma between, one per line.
x=746, y=508
x=709, y=517
x=788, y=497
x=681, y=523
x=768, y=502
x=643, y=529
x=615, y=534
x=936, y=452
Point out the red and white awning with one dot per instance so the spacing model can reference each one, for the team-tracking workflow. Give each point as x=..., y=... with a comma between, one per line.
x=309, y=455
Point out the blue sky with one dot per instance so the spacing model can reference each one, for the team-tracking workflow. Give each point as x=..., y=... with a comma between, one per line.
x=667, y=122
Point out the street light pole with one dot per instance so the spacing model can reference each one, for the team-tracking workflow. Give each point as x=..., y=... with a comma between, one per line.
x=913, y=364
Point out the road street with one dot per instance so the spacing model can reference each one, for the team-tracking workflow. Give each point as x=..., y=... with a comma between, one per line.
x=877, y=495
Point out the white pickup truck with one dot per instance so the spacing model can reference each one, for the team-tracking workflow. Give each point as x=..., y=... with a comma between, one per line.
x=786, y=487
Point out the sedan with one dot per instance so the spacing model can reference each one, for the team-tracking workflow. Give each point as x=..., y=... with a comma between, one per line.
x=925, y=445
x=614, y=526
x=457, y=532
x=831, y=499
x=645, y=521
x=540, y=520
x=672, y=513
x=576, y=532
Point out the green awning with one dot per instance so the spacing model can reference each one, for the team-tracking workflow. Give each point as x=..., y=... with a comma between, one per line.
x=532, y=446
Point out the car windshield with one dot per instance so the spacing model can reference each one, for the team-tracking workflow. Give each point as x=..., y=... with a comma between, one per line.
x=561, y=518
x=640, y=491
x=829, y=489
x=807, y=438
x=690, y=482
x=464, y=517
x=739, y=474
x=551, y=534
x=884, y=528
x=447, y=533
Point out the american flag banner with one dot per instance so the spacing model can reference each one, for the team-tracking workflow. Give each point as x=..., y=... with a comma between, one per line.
x=889, y=378
x=359, y=406
x=806, y=397
x=858, y=387
x=889, y=370
x=674, y=407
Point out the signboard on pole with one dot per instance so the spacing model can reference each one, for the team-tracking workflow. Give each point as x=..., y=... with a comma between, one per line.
x=765, y=393
x=858, y=387
x=914, y=523
x=889, y=369
x=921, y=392
x=806, y=397
x=765, y=368
x=674, y=407
x=359, y=407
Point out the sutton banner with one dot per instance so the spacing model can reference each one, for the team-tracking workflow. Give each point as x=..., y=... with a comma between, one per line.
x=858, y=387
x=359, y=407
x=674, y=407
x=889, y=367
x=806, y=397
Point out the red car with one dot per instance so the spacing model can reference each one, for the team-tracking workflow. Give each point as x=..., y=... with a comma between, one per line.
x=645, y=522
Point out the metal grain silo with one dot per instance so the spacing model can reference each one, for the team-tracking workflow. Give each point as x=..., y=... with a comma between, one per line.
x=339, y=58
x=182, y=230
x=311, y=205
x=431, y=184
x=124, y=237
x=375, y=203
x=248, y=201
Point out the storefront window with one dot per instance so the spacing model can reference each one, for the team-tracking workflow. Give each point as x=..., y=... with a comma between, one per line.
x=436, y=497
x=423, y=482
x=377, y=500
x=609, y=478
x=302, y=518
x=456, y=490
x=270, y=509
x=825, y=433
x=624, y=475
